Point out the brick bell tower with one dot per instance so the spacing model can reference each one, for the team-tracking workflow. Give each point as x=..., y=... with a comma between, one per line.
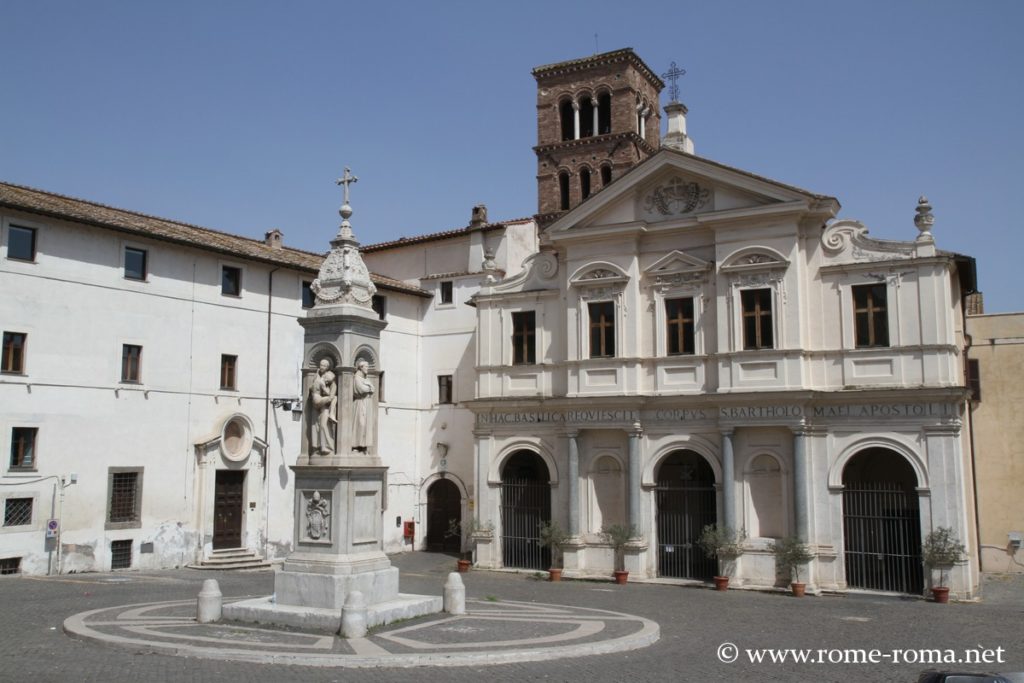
x=597, y=117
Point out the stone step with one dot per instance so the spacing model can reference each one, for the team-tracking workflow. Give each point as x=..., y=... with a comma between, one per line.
x=245, y=564
x=232, y=558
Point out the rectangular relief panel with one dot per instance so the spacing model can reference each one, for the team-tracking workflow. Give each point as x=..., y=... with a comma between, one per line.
x=366, y=512
x=601, y=378
x=759, y=371
x=873, y=367
x=682, y=376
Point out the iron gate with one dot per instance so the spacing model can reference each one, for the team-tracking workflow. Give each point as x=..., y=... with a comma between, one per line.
x=525, y=504
x=882, y=537
x=686, y=500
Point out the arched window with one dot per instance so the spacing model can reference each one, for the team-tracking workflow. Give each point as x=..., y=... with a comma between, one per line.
x=604, y=113
x=566, y=117
x=586, y=117
x=584, y=183
x=606, y=175
x=563, y=190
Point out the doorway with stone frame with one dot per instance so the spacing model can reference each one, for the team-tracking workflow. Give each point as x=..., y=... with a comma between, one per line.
x=228, y=509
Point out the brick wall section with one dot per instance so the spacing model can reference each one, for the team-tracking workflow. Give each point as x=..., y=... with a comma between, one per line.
x=628, y=79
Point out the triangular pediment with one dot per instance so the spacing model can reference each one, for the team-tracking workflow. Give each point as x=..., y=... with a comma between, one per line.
x=675, y=188
x=677, y=262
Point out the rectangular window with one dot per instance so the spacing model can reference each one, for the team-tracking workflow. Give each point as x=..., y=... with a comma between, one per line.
x=524, y=338
x=447, y=292
x=974, y=379
x=10, y=565
x=134, y=263
x=17, y=511
x=123, y=504
x=757, y=319
x=131, y=363
x=444, y=388
x=679, y=326
x=121, y=554
x=308, y=298
x=23, y=448
x=228, y=364
x=380, y=305
x=602, y=329
x=871, y=324
x=13, y=352
x=21, y=243
x=231, y=281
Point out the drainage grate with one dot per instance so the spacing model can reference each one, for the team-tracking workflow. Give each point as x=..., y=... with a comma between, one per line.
x=17, y=511
x=10, y=565
x=120, y=554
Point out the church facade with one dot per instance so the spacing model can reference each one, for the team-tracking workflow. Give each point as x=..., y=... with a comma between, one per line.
x=668, y=343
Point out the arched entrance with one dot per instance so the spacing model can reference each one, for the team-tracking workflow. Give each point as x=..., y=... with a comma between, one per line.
x=686, y=500
x=444, y=509
x=525, y=505
x=882, y=523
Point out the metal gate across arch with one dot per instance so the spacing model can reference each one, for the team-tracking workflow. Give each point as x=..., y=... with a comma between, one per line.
x=686, y=500
x=525, y=505
x=882, y=530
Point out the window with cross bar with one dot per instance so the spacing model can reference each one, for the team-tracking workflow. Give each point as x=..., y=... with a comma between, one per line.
x=602, y=329
x=757, y=319
x=679, y=326
x=871, y=318
x=13, y=360
x=524, y=338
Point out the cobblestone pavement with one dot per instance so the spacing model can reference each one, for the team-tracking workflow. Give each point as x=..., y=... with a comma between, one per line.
x=694, y=624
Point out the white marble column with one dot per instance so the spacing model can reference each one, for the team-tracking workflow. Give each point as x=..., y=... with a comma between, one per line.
x=728, y=481
x=575, y=120
x=596, y=131
x=800, y=493
x=574, y=484
x=634, y=475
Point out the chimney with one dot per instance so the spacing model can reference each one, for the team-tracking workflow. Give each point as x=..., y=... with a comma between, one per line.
x=479, y=216
x=273, y=238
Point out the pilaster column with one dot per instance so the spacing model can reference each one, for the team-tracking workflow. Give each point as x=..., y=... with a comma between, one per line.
x=728, y=481
x=800, y=501
x=574, y=484
x=575, y=120
x=634, y=475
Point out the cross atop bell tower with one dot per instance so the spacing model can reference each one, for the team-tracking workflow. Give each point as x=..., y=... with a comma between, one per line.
x=597, y=117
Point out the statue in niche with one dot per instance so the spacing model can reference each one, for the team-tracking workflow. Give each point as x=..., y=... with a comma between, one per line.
x=318, y=517
x=323, y=395
x=362, y=408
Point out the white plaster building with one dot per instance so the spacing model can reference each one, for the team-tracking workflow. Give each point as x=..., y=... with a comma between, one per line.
x=673, y=343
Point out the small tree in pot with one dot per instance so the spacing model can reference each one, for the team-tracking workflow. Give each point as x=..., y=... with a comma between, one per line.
x=725, y=544
x=617, y=535
x=941, y=550
x=552, y=536
x=469, y=528
x=790, y=553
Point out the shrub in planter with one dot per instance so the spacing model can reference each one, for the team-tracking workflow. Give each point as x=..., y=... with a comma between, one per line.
x=552, y=536
x=790, y=553
x=726, y=545
x=942, y=550
x=617, y=535
x=471, y=529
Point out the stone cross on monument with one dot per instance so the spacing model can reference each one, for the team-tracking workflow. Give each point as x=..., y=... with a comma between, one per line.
x=340, y=478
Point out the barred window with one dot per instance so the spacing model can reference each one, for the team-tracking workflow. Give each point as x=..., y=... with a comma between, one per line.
x=121, y=554
x=17, y=511
x=125, y=494
x=10, y=565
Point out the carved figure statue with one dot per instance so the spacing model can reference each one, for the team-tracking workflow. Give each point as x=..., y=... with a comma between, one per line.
x=362, y=408
x=323, y=395
x=318, y=513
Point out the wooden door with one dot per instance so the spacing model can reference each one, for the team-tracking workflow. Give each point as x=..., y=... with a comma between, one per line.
x=229, y=499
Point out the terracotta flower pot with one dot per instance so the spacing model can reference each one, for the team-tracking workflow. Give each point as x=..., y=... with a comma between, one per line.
x=721, y=583
x=621, y=576
x=464, y=566
x=554, y=574
x=798, y=589
x=940, y=594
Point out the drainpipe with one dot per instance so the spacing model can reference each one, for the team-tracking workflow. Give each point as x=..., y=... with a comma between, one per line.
x=266, y=418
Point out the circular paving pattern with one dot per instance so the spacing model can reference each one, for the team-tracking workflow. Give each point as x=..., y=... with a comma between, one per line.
x=497, y=632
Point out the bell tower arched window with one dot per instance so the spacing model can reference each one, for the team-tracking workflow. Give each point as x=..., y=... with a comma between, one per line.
x=606, y=175
x=563, y=189
x=604, y=113
x=566, y=117
x=587, y=119
x=584, y=183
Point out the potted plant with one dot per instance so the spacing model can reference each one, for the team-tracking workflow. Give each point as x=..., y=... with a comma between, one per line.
x=941, y=550
x=617, y=535
x=552, y=536
x=726, y=545
x=790, y=553
x=469, y=528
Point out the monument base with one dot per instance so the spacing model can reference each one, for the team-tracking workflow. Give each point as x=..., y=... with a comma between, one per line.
x=269, y=613
x=310, y=581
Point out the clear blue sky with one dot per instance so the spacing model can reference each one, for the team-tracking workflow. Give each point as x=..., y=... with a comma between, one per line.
x=239, y=115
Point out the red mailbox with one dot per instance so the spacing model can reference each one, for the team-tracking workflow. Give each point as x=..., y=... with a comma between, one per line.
x=409, y=530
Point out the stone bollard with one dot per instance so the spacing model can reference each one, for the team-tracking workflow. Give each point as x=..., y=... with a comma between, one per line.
x=208, y=606
x=353, y=616
x=454, y=594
